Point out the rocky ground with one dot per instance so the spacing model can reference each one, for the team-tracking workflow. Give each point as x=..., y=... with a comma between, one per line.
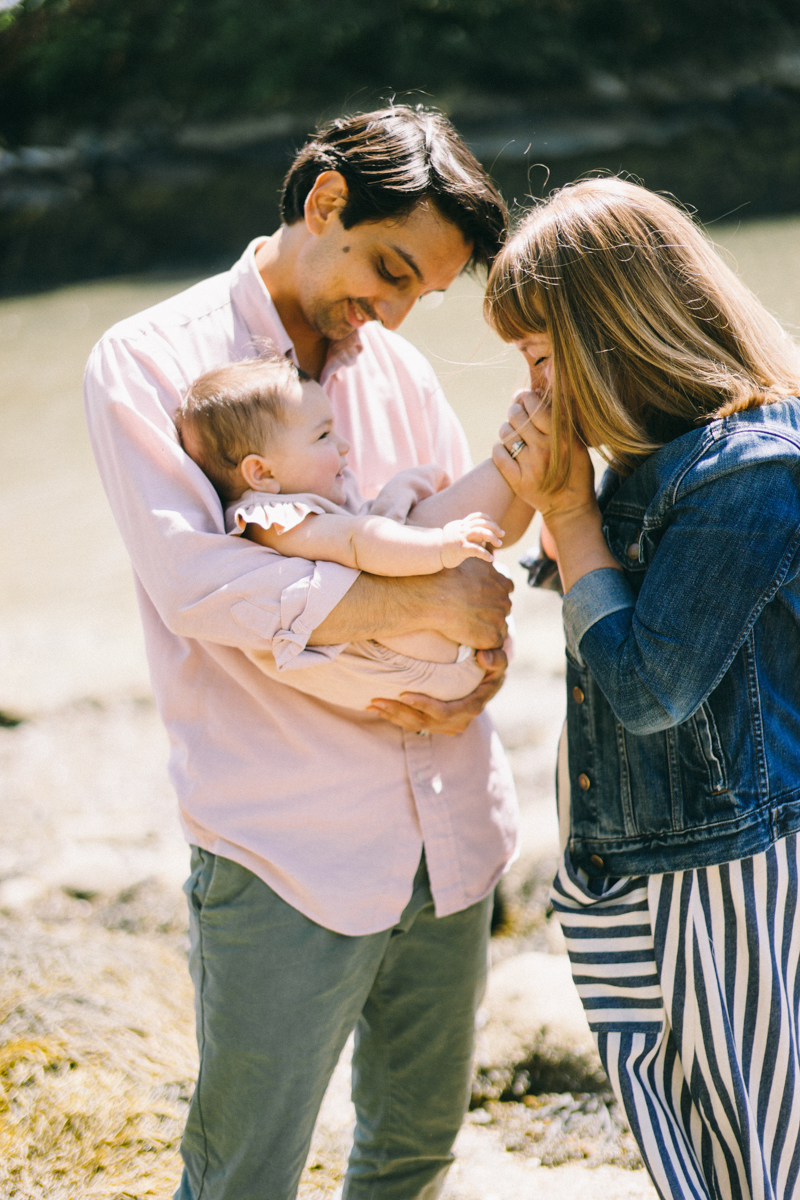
x=97, y=1051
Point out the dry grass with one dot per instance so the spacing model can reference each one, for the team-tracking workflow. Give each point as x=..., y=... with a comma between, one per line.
x=97, y=1059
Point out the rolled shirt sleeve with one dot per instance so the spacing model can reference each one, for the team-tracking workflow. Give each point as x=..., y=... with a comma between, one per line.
x=593, y=597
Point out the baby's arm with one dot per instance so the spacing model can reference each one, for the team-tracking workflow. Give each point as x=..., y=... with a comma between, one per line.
x=481, y=488
x=381, y=546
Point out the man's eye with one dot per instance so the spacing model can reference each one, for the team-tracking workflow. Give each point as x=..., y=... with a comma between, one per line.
x=386, y=274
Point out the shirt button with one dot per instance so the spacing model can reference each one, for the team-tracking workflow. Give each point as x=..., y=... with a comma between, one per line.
x=584, y=782
x=577, y=695
x=596, y=860
x=633, y=551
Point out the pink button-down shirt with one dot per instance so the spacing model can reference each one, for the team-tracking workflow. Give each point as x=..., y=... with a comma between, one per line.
x=329, y=807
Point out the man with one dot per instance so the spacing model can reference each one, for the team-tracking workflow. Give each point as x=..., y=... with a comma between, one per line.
x=342, y=865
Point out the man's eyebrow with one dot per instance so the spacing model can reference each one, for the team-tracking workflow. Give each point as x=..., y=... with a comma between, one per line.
x=406, y=257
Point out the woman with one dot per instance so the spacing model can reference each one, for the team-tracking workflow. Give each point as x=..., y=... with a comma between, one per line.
x=678, y=887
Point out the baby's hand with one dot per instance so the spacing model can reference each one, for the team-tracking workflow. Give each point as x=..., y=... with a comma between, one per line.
x=465, y=538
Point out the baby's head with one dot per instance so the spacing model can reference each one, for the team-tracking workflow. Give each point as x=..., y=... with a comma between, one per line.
x=261, y=424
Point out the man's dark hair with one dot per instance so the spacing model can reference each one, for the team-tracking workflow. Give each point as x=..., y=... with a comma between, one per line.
x=393, y=159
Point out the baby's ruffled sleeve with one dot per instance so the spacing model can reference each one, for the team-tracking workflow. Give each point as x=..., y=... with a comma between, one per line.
x=259, y=508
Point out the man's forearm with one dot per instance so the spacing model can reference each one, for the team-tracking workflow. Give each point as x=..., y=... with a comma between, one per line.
x=468, y=604
x=375, y=607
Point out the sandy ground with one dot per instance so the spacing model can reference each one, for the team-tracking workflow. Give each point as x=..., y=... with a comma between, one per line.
x=96, y=1026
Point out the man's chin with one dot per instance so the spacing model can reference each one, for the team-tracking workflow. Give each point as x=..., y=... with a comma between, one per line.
x=329, y=323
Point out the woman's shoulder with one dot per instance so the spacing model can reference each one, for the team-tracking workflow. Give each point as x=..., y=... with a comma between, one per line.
x=769, y=433
x=713, y=455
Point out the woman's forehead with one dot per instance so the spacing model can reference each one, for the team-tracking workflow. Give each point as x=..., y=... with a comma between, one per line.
x=534, y=343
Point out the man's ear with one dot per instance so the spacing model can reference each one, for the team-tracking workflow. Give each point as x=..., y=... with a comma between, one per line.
x=257, y=474
x=325, y=201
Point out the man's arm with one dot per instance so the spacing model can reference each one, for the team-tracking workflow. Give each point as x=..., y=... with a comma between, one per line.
x=468, y=604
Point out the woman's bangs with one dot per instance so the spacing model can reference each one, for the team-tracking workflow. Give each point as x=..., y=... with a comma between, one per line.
x=511, y=306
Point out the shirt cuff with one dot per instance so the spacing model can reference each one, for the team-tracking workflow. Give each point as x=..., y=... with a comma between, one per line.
x=593, y=597
x=303, y=606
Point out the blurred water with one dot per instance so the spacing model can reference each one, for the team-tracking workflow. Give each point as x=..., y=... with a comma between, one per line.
x=68, y=623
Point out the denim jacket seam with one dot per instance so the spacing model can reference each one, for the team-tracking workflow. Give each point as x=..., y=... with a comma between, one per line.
x=686, y=833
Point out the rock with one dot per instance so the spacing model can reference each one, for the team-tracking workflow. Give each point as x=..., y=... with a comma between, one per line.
x=18, y=892
x=534, y=1036
x=531, y=996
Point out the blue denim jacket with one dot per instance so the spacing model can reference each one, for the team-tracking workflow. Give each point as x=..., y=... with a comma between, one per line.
x=683, y=669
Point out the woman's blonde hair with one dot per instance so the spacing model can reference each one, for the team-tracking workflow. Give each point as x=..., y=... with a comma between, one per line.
x=652, y=333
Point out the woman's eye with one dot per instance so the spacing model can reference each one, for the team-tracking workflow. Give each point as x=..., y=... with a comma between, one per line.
x=539, y=361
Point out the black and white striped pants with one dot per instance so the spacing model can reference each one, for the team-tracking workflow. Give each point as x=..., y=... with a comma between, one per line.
x=691, y=985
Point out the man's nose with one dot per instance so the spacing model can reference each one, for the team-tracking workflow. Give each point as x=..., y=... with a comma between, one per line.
x=392, y=312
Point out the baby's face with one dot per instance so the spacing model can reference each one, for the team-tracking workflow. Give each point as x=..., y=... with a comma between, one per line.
x=309, y=455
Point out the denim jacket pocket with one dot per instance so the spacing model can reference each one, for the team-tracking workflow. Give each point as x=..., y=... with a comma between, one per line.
x=702, y=750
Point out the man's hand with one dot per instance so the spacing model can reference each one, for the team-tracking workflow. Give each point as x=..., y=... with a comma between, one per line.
x=468, y=604
x=422, y=714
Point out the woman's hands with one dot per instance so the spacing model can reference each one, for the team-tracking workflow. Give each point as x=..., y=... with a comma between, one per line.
x=530, y=421
x=570, y=512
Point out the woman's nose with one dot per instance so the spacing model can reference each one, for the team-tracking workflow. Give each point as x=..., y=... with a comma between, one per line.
x=540, y=376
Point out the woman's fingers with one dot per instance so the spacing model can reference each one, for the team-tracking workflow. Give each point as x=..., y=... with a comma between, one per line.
x=506, y=465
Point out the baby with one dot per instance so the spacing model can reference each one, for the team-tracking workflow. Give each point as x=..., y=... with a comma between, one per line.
x=263, y=434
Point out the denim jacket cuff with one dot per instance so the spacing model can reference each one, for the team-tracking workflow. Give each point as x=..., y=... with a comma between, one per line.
x=593, y=597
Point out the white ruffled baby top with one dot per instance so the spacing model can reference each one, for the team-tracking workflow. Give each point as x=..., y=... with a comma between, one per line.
x=395, y=500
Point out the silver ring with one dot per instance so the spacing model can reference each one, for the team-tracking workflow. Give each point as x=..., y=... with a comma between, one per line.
x=516, y=447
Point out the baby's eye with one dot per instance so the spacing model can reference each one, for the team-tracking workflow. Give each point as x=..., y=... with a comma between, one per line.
x=327, y=433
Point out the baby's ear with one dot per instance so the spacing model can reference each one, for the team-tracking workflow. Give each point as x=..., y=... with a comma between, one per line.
x=257, y=474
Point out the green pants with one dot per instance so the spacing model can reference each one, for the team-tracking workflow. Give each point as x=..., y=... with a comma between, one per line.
x=276, y=997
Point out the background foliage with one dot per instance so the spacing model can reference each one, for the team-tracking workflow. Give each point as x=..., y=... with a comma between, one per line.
x=101, y=63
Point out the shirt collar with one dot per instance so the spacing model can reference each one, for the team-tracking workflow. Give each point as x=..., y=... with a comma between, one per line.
x=253, y=302
x=255, y=306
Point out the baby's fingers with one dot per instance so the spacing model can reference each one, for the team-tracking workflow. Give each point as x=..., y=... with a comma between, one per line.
x=473, y=550
x=480, y=528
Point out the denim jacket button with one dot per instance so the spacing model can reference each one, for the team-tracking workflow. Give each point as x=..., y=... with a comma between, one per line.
x=584, y=782
x=596, y=860
x=633, y=551
x=577, y=695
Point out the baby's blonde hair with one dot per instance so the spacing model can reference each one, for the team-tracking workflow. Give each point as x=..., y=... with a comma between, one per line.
x=652, y=333
x=234, y=411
